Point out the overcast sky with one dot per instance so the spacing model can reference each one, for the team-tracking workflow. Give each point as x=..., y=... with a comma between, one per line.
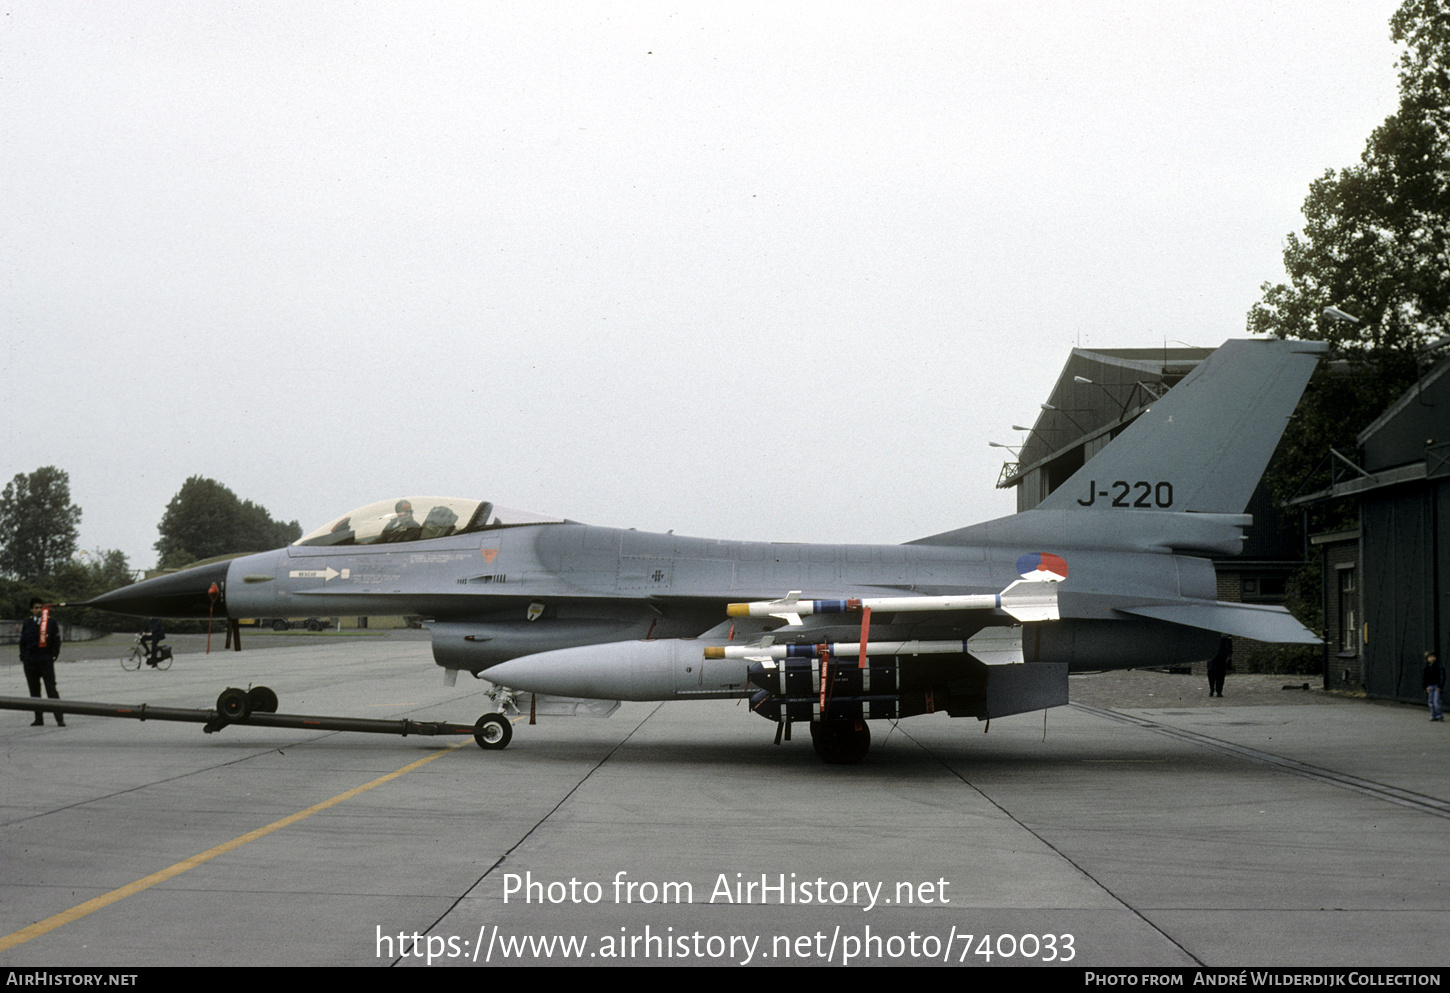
x=772, y=271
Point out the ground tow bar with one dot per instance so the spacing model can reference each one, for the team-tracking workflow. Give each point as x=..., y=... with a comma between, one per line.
x=257, y=708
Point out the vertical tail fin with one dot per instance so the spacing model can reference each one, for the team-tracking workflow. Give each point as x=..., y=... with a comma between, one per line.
x=1205, y=444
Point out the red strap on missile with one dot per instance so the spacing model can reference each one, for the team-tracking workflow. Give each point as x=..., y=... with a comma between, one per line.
x=865, y=633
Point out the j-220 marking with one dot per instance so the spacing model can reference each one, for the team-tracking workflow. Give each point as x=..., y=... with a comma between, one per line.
x=1143, y=494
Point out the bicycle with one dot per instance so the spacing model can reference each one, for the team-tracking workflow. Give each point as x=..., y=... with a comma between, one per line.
x=138, y=656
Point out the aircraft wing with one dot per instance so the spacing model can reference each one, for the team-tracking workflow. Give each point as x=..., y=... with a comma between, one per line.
x=1246, y=620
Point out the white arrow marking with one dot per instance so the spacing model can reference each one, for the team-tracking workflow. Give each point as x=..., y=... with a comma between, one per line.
x=322, y=574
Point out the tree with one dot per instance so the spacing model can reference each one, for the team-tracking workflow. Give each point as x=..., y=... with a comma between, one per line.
x=205, y=519
x=38, y=524
x=1376, y=245
x=88, y=575
x=1376, y=240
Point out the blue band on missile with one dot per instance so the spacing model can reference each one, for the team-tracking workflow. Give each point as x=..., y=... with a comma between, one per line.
x=800, y=651
x=831, y=606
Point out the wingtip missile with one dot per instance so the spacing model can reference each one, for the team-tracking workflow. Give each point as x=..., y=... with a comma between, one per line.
x=1026, y=600
x=840, y=649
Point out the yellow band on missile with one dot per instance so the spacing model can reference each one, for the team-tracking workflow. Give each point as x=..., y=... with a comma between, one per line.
x=714, y=653
x=738, y=610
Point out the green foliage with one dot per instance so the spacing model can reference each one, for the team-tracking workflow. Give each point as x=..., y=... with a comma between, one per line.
x=1284, y=660
x=206, y=519
x=1377, y=235
x=38, y=524
x=1375, y=244
x=87, y=575
x=1340, y=401
x=1303, y=601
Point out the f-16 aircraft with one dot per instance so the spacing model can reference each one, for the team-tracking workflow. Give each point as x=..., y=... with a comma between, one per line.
x=1110, y=570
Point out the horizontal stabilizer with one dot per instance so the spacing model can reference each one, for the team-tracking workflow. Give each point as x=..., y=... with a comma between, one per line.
x=1246, y=620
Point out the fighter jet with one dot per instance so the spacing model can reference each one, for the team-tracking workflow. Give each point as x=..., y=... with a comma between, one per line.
x=1110, y=570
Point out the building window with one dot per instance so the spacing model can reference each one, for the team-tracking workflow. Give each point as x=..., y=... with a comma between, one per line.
x=1348, y=612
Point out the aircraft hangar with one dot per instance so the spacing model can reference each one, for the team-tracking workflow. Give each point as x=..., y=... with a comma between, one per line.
x=1385, y=585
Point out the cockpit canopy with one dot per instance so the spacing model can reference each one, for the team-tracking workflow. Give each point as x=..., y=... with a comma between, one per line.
x=417, y=519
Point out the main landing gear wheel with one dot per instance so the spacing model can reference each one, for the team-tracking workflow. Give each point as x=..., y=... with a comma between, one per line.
x=840, y=742
x=234, y=704
x=493, y=731
x=261, y=700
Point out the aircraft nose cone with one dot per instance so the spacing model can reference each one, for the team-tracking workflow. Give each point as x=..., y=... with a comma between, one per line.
x=181, y=594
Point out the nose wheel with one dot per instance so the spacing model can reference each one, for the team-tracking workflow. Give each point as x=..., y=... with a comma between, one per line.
x=493, y=732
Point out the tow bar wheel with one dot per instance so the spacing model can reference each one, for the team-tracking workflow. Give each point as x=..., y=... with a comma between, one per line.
x=493, y=731
x=233, y=704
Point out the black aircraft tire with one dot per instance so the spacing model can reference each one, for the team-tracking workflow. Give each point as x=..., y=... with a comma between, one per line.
x=261, y=700
x=839, y=742
x=493, y=731
x=233, y=704
x=280, y=625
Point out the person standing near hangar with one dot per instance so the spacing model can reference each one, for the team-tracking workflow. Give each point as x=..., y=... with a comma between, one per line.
x=1434, y=680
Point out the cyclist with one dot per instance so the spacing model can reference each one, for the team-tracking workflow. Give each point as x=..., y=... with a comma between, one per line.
x=152, y=635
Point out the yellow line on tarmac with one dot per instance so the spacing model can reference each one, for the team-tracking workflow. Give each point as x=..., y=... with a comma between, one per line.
x=105, y=900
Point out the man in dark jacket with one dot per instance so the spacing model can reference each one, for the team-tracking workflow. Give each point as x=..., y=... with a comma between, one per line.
x=1218, y=666
x=39, y=648
x=153, y=633
x=1434, y=680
